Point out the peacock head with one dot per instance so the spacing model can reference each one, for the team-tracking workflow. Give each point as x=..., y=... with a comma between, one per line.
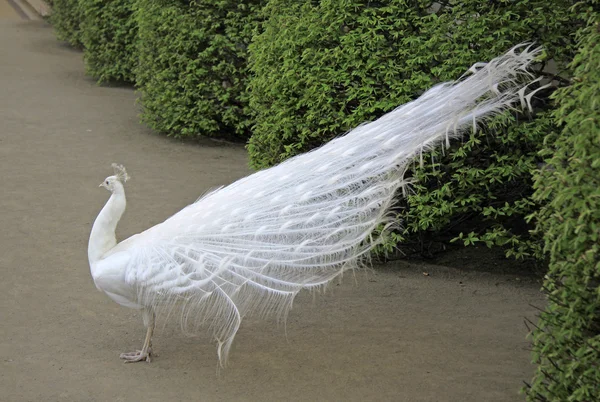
x=115, y=182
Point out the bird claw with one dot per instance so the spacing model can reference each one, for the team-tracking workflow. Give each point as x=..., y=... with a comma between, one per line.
x=137, y=356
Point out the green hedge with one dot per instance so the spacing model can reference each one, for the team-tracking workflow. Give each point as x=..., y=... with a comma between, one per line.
x=192, y=72
x=321, y=68
x=105, y=30
x=567, y=339
x=108, y=36
x=66, y=17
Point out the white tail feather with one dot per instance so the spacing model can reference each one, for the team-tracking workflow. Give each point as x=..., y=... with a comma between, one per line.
x=302, y=223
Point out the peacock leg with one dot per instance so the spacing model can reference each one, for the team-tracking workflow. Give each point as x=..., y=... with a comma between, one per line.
x=146, y=353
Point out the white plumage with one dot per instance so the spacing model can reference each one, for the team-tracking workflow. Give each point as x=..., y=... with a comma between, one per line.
x=253, y=245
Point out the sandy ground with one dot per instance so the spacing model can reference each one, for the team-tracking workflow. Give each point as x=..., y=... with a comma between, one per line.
x=8, y=11
x=392, y=334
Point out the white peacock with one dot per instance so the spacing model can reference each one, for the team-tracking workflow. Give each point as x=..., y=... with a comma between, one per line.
x=252, y=246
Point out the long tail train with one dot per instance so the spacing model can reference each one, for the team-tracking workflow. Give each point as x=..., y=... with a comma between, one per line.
x=253, y=245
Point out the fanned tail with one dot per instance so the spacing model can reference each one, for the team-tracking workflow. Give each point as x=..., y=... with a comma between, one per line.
x=253, y=245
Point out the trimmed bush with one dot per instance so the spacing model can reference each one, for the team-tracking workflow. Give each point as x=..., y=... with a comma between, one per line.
x=66, y=17
x=567, y=338
x=193, y=71
x=321, y=68
x=108, y=35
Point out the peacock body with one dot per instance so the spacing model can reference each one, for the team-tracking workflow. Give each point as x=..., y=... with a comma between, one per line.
x=253, y=245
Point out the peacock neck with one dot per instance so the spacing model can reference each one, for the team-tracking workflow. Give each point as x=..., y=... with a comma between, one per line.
x=102, y=237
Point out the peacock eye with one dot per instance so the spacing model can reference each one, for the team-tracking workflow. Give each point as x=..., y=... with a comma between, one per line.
x=107, y=182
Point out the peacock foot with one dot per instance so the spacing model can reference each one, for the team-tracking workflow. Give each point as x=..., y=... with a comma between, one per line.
x=137, y=356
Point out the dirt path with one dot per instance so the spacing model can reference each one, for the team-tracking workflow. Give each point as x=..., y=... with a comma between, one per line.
x=8, y=11
x=388, y=335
